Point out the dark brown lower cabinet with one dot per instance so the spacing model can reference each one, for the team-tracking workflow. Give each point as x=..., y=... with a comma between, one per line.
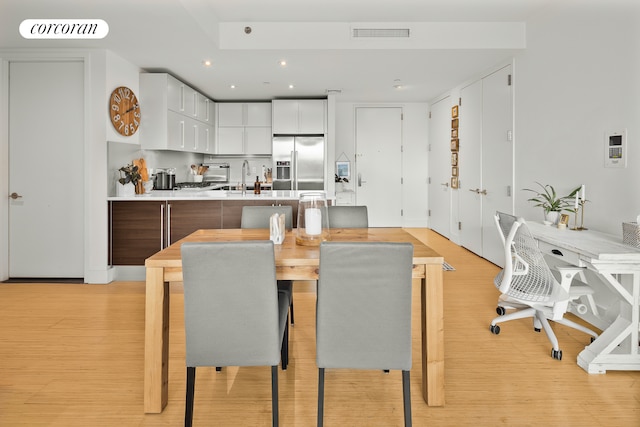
x=137, y=231
x=185, y=216
x=140, y=229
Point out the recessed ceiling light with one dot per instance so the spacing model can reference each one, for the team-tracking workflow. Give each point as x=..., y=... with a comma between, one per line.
x=291, y=86
x=397, y=87
x=206, y=63
x=283, y=63
x=232, y=86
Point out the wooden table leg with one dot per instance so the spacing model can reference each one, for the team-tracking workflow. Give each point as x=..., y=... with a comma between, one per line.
x=156, y=342
x=432, y=336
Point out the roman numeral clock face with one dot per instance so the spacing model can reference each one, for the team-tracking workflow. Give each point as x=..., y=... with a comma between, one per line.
x=124, y=111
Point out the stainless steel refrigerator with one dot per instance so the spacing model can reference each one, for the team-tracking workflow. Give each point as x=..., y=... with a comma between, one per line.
x=299, y=162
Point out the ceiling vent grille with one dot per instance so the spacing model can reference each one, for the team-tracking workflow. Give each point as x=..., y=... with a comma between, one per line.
x=380, y=32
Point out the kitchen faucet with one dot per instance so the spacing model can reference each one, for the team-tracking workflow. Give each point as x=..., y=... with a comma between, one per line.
x=245, y=173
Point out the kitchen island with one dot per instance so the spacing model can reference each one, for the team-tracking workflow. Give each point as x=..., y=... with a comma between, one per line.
x=141, y=225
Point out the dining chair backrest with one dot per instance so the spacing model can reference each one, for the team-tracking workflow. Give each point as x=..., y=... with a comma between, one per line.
x=258, y=216
x=231, y=308
x=363, y=317
x=348, y=217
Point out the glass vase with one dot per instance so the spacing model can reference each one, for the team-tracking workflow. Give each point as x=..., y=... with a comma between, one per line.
x=313, y=225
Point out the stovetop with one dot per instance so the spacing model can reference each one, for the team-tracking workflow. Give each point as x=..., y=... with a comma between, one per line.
x=196, y=185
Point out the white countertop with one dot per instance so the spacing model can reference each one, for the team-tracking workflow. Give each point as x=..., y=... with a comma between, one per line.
x=199, y=194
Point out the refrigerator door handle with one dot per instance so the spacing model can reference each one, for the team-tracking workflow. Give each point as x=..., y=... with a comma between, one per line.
x=295, y=170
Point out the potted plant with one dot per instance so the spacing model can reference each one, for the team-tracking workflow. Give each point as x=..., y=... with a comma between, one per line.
x=130, y=180
x=549, y=200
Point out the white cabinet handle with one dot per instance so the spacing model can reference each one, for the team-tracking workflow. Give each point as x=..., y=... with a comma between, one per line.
x=168, y=224
x=181, y=133
x=195, y=137
x=161, y=226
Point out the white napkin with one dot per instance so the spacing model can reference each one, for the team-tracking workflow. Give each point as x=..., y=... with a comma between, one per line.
x=276, y=228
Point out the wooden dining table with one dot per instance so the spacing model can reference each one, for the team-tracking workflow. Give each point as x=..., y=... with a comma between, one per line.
x=293, y=262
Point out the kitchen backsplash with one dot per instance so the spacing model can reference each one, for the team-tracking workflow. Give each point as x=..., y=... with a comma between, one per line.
x=121, y=154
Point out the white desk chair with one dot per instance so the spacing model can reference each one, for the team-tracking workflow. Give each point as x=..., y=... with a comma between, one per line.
x=527, y=284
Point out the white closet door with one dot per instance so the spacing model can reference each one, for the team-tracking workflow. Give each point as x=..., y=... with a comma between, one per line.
x=440, y=167
x=497, y=159
x=379, y=164
x=470, y=168
x=46, y=135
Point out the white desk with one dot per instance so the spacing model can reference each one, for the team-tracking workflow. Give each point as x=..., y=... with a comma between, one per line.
x=616, y=270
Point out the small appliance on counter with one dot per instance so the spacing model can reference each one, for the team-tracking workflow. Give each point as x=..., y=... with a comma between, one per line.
x=217, y=172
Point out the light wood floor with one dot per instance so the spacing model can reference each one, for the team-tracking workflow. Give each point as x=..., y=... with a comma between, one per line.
x=72, y=355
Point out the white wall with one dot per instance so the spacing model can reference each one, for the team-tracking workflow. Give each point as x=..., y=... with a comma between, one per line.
x=578, y=78
x=415, y=133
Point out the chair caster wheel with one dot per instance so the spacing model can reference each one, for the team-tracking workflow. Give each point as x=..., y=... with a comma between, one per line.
x=537, y=329
x=501, y=311
x=495, y=329
x=556, y=354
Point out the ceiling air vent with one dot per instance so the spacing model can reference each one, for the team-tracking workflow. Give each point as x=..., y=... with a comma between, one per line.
x=380, y=32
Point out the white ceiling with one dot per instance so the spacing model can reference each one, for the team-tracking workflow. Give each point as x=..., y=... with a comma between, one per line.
x=177, y=35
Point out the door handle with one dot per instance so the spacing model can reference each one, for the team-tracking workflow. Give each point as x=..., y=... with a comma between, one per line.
x=477, y=191
x=15, y=196
x=446, y=184
x=483, y=192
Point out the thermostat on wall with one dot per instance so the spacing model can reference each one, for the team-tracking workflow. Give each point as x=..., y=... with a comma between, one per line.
x=615, y=149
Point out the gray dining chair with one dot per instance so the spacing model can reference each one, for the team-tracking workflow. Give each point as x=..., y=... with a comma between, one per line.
x=363, y=311
x=348, y=217
x=234, y=314
x=258, y=217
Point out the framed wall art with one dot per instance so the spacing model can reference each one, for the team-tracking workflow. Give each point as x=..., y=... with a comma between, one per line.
x=454, y=171
x=454, y=112
x=454, y=182
x=454, y=123
x=343, y=170
x=455, y=145
x=454, y=133
x=454, y=159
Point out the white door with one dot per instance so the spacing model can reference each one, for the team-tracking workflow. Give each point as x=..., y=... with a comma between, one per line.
x=440, y=167
x=46, y=171
x=497, y=159
x=470, y=167
x=379, y=164
x=486, y=162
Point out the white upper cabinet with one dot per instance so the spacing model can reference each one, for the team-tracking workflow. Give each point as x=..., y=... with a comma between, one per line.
x=244, y=128
x=258, y=114
x=299, y=116
x=174, y=116
x=230, y=114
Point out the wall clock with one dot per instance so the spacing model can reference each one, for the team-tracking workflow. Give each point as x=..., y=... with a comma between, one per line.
x=124, y=110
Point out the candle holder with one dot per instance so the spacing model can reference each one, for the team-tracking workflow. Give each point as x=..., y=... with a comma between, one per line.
x=313, y=224
x=581, y=209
